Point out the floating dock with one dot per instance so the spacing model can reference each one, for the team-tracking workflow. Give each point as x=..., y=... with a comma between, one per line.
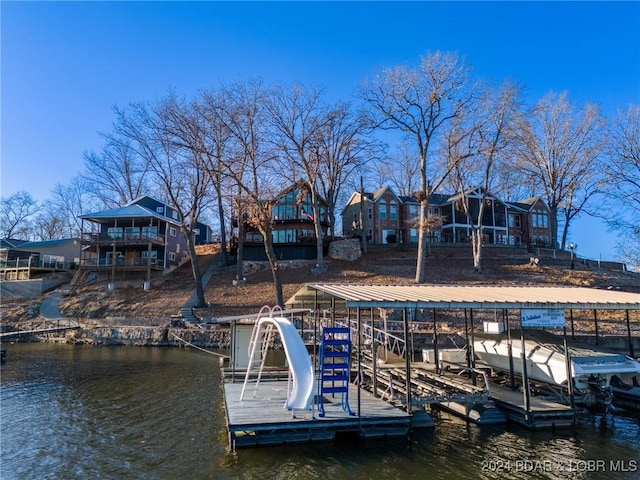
x=262, y=420
x=542, y=413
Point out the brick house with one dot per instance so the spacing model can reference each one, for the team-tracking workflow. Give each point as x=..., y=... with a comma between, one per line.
x=503, y=223
x=529, y=223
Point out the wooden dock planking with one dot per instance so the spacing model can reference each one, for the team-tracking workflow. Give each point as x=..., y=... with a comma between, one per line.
x=543, y=413
x=263, y=420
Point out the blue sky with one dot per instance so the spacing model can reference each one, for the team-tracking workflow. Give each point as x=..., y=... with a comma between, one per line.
x=66, y=64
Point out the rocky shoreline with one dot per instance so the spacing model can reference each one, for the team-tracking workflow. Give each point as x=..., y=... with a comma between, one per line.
x=145, y=336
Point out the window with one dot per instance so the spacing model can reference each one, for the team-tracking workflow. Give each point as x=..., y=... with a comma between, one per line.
x=196, y=231
x=132, y=232
x=172, y=256
x=174, y=214
x=413, y=235
x=172, y=231
x=111, y=255
x=149, y=232
x=370, y=213
x=159, y=209
x=114, y=232
x=389, y=236
x=540, y=219
x=393, y=210
x=153, y=255
x=383, y=211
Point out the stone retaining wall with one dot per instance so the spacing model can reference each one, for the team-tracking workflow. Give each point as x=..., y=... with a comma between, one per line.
x=140, y=336
x=345, y=249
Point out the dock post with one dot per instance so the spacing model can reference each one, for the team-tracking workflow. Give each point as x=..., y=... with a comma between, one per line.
x=473, y=352
x=525, y=376
x=407, y=359
x=573, y=332
x=631, y=352
x=567, y=358
x=436, y=360
x=595, y=319
x=466, y=337
x=512, y=374
x=359, y=318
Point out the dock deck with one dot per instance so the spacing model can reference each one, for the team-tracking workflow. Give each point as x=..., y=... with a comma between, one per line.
x=542, y=413
x=262, y=420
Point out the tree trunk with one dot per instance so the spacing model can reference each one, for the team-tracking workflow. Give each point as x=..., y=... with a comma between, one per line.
x=320, y=266
x=422, y=244
x=223, y=233
x=195, y=269
x=476, y=246
x=553, y=222
x=271, y=257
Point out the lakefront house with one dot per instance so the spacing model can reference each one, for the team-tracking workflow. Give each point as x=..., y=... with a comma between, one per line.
x=388, y=218
x=137, y=240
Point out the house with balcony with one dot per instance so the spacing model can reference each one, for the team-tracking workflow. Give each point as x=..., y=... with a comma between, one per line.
x=293, y=230
x=503, y=223
x=456, y=226
x=22, y=259
x=138, y=240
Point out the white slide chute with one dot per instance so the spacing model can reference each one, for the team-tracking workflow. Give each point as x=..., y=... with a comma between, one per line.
x=301, y=370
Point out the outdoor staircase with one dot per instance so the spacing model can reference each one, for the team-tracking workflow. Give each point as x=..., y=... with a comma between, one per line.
x=76, y=282
x=335, y=359
x=186, y=311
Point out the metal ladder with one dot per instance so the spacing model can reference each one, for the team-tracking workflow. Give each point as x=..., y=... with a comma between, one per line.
x=335, y=360
x=264, y=341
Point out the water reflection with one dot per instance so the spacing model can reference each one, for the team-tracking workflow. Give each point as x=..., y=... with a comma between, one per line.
x=71, y=412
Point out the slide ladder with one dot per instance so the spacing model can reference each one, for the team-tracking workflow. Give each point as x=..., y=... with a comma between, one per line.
x=301, y=381
x=258, y=341
x=335, y=359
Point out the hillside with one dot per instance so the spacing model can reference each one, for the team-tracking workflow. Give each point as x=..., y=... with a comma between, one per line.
x=381, y=265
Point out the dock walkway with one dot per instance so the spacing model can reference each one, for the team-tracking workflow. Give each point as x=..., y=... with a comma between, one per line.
x=542, y=413
x=262, y=419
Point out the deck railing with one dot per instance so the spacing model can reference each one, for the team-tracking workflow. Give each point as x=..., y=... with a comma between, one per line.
x=136, y=238
x=122, y=262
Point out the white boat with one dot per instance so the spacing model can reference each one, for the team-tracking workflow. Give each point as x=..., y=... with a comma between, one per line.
x=591, y=369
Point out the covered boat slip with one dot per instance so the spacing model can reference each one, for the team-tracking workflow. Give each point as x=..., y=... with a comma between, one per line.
x=362, y=302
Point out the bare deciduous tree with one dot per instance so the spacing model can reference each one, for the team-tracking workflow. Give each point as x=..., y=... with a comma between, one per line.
x=622, y=177
x=72, y=200
x=558, y=150
x=117, y=175
x=298, y=118
x=217, y=144
x=342, y=148
x=418, y=102
x=400, y=170
x=166, y=136
x=253, y=168
x=17, y=213
x=474, y=146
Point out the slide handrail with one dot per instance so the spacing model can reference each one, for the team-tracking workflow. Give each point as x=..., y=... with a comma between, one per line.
x=301, y=370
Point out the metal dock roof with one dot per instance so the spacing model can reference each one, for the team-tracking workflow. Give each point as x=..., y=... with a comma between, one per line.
x=474, y=296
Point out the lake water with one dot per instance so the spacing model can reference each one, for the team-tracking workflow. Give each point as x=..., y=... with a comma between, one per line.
x=83, y=412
